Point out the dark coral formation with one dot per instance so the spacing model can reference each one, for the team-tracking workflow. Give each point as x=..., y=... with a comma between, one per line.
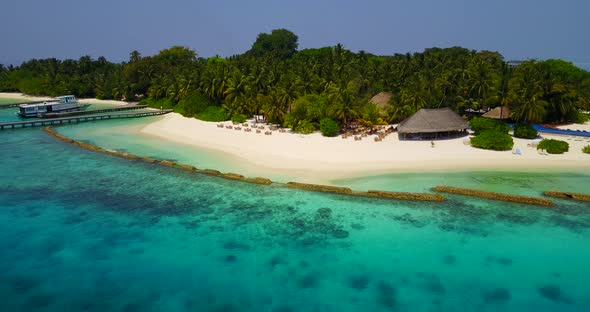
x=22, y=284
x=308, y=280
x=358, y=282
x=432, y=283
x=231, y=258
x=496, y=295
x=499, y=260
x=553, y=293
x=449, y=259
x=386, y=295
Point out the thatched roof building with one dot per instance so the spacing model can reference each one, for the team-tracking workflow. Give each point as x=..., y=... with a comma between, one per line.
x=382, y=101
x=500, y=112
x=431, y=124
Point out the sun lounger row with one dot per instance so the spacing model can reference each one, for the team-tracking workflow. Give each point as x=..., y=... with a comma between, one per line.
x=246, y=129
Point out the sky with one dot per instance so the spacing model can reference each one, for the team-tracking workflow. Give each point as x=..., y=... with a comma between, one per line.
x=518, y=29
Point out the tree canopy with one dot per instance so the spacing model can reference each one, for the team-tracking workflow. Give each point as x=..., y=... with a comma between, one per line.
x=302, y=88
x=280, y=43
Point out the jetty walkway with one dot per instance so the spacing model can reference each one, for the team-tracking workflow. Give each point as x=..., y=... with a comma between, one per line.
x=78, y=119
x=95, y=111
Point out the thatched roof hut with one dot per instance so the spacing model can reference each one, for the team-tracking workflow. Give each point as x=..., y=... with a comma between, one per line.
x=382, y=101
x=500, y=112
x=432, y=123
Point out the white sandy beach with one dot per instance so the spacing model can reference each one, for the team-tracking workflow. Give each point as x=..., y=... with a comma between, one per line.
x=314, y=156
x=24, y=97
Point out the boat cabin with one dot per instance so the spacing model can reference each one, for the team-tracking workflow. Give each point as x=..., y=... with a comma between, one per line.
x=60, y=104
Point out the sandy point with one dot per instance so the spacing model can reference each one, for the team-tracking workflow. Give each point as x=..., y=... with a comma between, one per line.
x=314, y=156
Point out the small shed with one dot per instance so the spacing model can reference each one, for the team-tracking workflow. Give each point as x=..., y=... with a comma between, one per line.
x=432, y=124
x=500, y=112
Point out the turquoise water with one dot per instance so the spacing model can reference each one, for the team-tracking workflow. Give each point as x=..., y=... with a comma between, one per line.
x=124, y=135
x=82, y=231
x=530, y=183
x=9, y=114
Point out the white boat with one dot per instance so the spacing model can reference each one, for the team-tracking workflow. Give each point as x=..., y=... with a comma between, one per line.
x=66, y=103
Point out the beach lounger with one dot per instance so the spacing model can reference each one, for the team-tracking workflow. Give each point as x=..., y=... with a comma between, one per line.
x=516, y=151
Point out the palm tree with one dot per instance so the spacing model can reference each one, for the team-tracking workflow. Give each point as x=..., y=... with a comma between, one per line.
x=527, y=94
x=134, y=56
x=481, y=80
x=288, y=93
x=238, y=86
x=344, y=107
x=273, y=108
x=413, y=95
x=530, y=110
x=184, y=86
x=215, y=83
x=562, y=102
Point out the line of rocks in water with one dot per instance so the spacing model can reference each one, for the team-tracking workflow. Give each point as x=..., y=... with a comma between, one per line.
x=256, y=180
x=370, y=193
x=495, y=196
x=167, y=163
x=568, y=195
x=337, y=189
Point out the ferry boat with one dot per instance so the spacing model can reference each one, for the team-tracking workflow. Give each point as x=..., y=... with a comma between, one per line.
x=66, y=103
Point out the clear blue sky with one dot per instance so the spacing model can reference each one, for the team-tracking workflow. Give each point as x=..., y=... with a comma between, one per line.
x=519, y=29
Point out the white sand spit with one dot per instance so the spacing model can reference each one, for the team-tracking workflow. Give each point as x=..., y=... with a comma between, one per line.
x=315, y=155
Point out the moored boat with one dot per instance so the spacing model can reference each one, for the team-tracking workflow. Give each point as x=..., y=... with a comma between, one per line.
x=66, y=103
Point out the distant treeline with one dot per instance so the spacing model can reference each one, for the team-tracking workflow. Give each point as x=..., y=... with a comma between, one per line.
x=301, y=88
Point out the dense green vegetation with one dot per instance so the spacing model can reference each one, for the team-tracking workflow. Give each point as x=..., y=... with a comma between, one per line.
x=212, y=113
x=553, y=146
x=586, y=149
x=583, y=118
x=238, y=118
x=299, y=88
x=525, y=131
x=305, y=127
x=493, y=140
x=481, y=124
x=329, y=127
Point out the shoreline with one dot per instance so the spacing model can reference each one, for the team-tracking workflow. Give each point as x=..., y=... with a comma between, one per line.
x=347, y=191
x=314, y=158
x=31, y=98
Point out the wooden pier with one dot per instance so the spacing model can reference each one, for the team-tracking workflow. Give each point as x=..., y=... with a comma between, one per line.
x=94, y=111
x=78, y=119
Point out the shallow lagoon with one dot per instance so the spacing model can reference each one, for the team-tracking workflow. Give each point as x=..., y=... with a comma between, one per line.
x=86, y=231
